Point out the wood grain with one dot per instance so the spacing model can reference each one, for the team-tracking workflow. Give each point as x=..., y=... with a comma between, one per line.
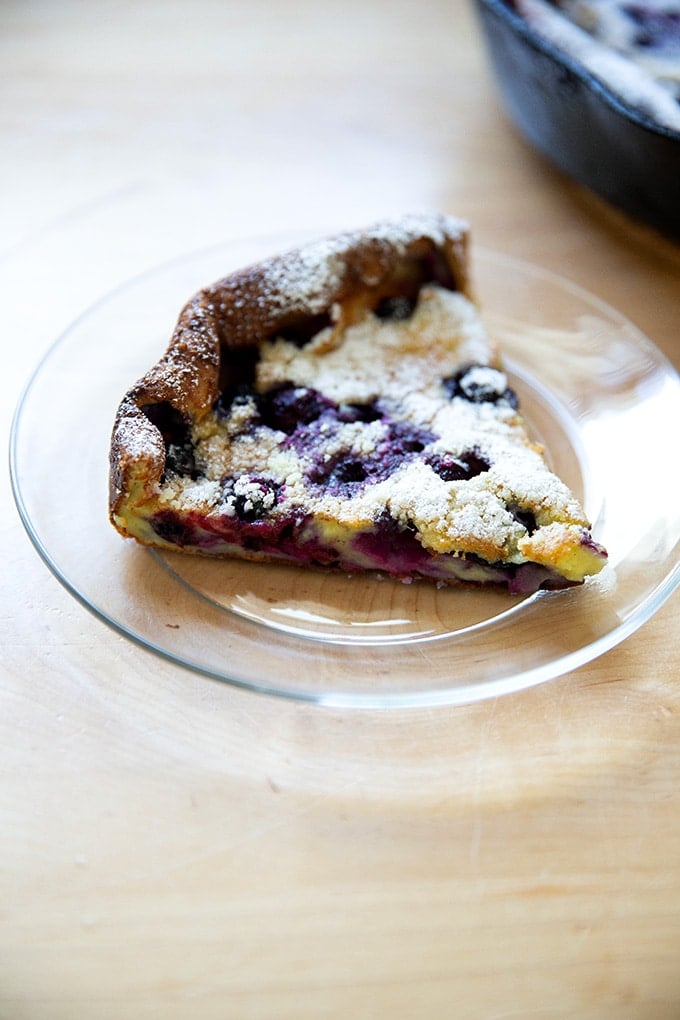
x=172, y=847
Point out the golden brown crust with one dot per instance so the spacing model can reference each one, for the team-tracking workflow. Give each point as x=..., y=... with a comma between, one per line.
x=341, y=276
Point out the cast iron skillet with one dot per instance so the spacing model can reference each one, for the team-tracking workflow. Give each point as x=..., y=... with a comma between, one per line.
x=580, y=125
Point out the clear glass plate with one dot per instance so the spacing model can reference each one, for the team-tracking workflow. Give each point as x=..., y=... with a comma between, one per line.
x=595, y=391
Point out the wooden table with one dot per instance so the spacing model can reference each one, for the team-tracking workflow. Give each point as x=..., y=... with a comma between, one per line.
x=173, y=847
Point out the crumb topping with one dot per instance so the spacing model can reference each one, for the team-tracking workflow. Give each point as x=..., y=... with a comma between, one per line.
x=402, y=364
x=393, y=358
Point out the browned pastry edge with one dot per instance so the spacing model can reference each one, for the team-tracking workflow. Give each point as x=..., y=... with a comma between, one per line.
x=348, y=273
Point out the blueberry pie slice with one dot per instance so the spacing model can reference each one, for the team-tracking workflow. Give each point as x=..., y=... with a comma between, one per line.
x=342, y=406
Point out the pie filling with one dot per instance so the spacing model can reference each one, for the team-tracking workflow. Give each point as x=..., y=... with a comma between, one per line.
x=396, y=447
x=386, y=548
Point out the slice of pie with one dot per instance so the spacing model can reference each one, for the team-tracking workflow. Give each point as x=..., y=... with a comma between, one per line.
x=342, y=406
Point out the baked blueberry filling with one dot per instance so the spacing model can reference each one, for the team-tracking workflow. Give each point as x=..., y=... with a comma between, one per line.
x=452, y=468
x=341, y=474
x=480, y=384
x=658, y=29
x=389, y=543
x=360, y=412
x=399, y=308
x=169, y=527
x=180, y=456
x=242, y=395
x=344, y=473
x=404, y=439
x=251, y=498
x=525, y=517
x=288, y=407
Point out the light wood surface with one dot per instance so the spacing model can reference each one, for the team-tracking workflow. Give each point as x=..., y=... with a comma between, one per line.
x=175, y=848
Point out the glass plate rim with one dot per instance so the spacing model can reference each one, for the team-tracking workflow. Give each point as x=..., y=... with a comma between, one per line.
x=483, y=690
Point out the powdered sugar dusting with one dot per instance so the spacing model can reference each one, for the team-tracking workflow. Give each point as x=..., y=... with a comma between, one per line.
x=393, y=358
x=305, y=278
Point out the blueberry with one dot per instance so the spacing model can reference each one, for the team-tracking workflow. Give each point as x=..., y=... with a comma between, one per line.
x=360, y=412
x=658, y=29
x=452, y=468
x=342, y=474
x=349, y=470
x=480, y=384
x=180, y=460
x=524, y=517
x=393, y=546
x=288, y=407
x=234, y=396
x=180, y=457
x=252, y=497
x=169, y=527
x=399, y=308
x=404, y=438
x=400, y=292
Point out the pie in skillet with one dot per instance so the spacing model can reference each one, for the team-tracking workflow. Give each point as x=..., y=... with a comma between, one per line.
x=631, y=47
x=342, y=406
